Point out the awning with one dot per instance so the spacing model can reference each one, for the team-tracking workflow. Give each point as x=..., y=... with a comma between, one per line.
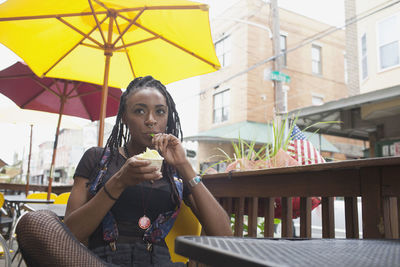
x=249, y=131
x=359, y=115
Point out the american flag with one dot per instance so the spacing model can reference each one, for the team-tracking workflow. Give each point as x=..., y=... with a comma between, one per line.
x=302, y=150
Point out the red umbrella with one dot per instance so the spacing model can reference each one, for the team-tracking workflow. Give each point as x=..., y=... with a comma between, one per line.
x=74, y=98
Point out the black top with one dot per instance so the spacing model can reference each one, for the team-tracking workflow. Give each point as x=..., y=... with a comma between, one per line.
x=143, y=199
x=249, y=252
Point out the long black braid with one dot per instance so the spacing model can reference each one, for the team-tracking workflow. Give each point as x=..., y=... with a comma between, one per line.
x=120, y=133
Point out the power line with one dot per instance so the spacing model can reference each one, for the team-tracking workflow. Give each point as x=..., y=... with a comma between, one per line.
x=306, y=41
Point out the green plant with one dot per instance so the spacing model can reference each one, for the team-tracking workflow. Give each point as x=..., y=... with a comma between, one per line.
x=281, y=137
x=242, y=149
x=246, y=153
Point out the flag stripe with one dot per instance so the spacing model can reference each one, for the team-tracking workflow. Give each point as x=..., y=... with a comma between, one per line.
x=302, y=150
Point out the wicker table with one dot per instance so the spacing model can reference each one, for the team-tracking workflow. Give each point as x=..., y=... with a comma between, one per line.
x=235, y=251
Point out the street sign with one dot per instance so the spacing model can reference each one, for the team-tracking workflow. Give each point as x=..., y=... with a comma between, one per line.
x=279, y=76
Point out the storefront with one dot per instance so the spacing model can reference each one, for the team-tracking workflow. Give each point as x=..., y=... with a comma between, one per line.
x=372, y=117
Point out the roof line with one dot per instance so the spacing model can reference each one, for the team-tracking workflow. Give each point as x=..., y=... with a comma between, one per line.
x=350, y=102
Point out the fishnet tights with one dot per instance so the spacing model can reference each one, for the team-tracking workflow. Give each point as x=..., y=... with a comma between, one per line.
x=45, y=241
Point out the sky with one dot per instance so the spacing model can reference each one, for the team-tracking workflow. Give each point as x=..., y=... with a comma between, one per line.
x=15, y=135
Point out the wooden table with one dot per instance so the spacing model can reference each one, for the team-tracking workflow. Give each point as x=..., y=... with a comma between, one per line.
x=375, y=180
x=249, y=252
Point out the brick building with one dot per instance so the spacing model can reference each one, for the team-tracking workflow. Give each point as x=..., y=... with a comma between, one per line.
x=372, y=110
x=240, y=96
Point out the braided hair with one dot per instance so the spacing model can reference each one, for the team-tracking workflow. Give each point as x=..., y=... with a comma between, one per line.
x=120, y=133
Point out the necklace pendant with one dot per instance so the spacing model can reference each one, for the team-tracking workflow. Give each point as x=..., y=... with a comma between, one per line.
x=144, y=222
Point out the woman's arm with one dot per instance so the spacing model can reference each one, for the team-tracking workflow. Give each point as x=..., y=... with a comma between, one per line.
x=84, y=214
x=209, y=212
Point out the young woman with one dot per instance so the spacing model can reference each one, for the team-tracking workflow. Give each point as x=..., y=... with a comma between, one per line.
x=120, y=207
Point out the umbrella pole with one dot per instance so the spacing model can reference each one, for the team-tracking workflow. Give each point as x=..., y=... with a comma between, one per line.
x=28, y=171
x=104, y=92
x=103, y=106
x=53, y=159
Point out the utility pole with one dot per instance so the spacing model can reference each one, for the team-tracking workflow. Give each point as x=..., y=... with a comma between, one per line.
x=280, y=106
x=280, y=103
x=280, y=92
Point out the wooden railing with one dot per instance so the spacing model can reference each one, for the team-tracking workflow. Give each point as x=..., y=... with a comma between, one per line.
x=252, y=193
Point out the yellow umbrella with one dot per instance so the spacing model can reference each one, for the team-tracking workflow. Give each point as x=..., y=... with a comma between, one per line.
x=110, y=42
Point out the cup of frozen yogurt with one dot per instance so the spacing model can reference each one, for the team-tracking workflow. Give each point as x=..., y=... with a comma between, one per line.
x=154, y=157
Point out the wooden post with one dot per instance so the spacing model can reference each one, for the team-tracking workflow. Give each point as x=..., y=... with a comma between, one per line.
x=328, y=217
x=239, y=212
x=287, y=216
x=28, y=171
x=104, y=92
x=269, y=217
x=305, y=217
x=351, y=217
x=53, y=159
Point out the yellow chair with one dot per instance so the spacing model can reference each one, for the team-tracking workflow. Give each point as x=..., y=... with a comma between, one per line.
x=186, y=224
x=41, y=195
x=62, y=198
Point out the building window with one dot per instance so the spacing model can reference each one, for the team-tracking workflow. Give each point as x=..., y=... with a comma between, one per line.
x=317, y=100
x=364, y=57
x=223, y=51
x=316, y=59
x=282, y=43
x=221, y=107
x=388, y=42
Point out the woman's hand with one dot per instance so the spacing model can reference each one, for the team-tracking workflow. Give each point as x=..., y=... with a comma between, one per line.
x=171, y=148
x=135, y=171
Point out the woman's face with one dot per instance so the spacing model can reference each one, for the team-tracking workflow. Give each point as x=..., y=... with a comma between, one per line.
x=146, y=113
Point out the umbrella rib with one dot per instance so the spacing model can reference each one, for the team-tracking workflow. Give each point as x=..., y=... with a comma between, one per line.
x=92, y=46
x=178, y=46
x=32, y=98
x=93, y=92
x=76, y=86
x=135, y=43
x=87, y=111
x=125, y=50
x=80, y=32
x=51, y=16
x=18, y=76
x=63, y=56
x=45, y=87
x=58, y=88
x=102, y=5
x=97, y=21
x=128, y=27
x=202, y=7
x=85, y=94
